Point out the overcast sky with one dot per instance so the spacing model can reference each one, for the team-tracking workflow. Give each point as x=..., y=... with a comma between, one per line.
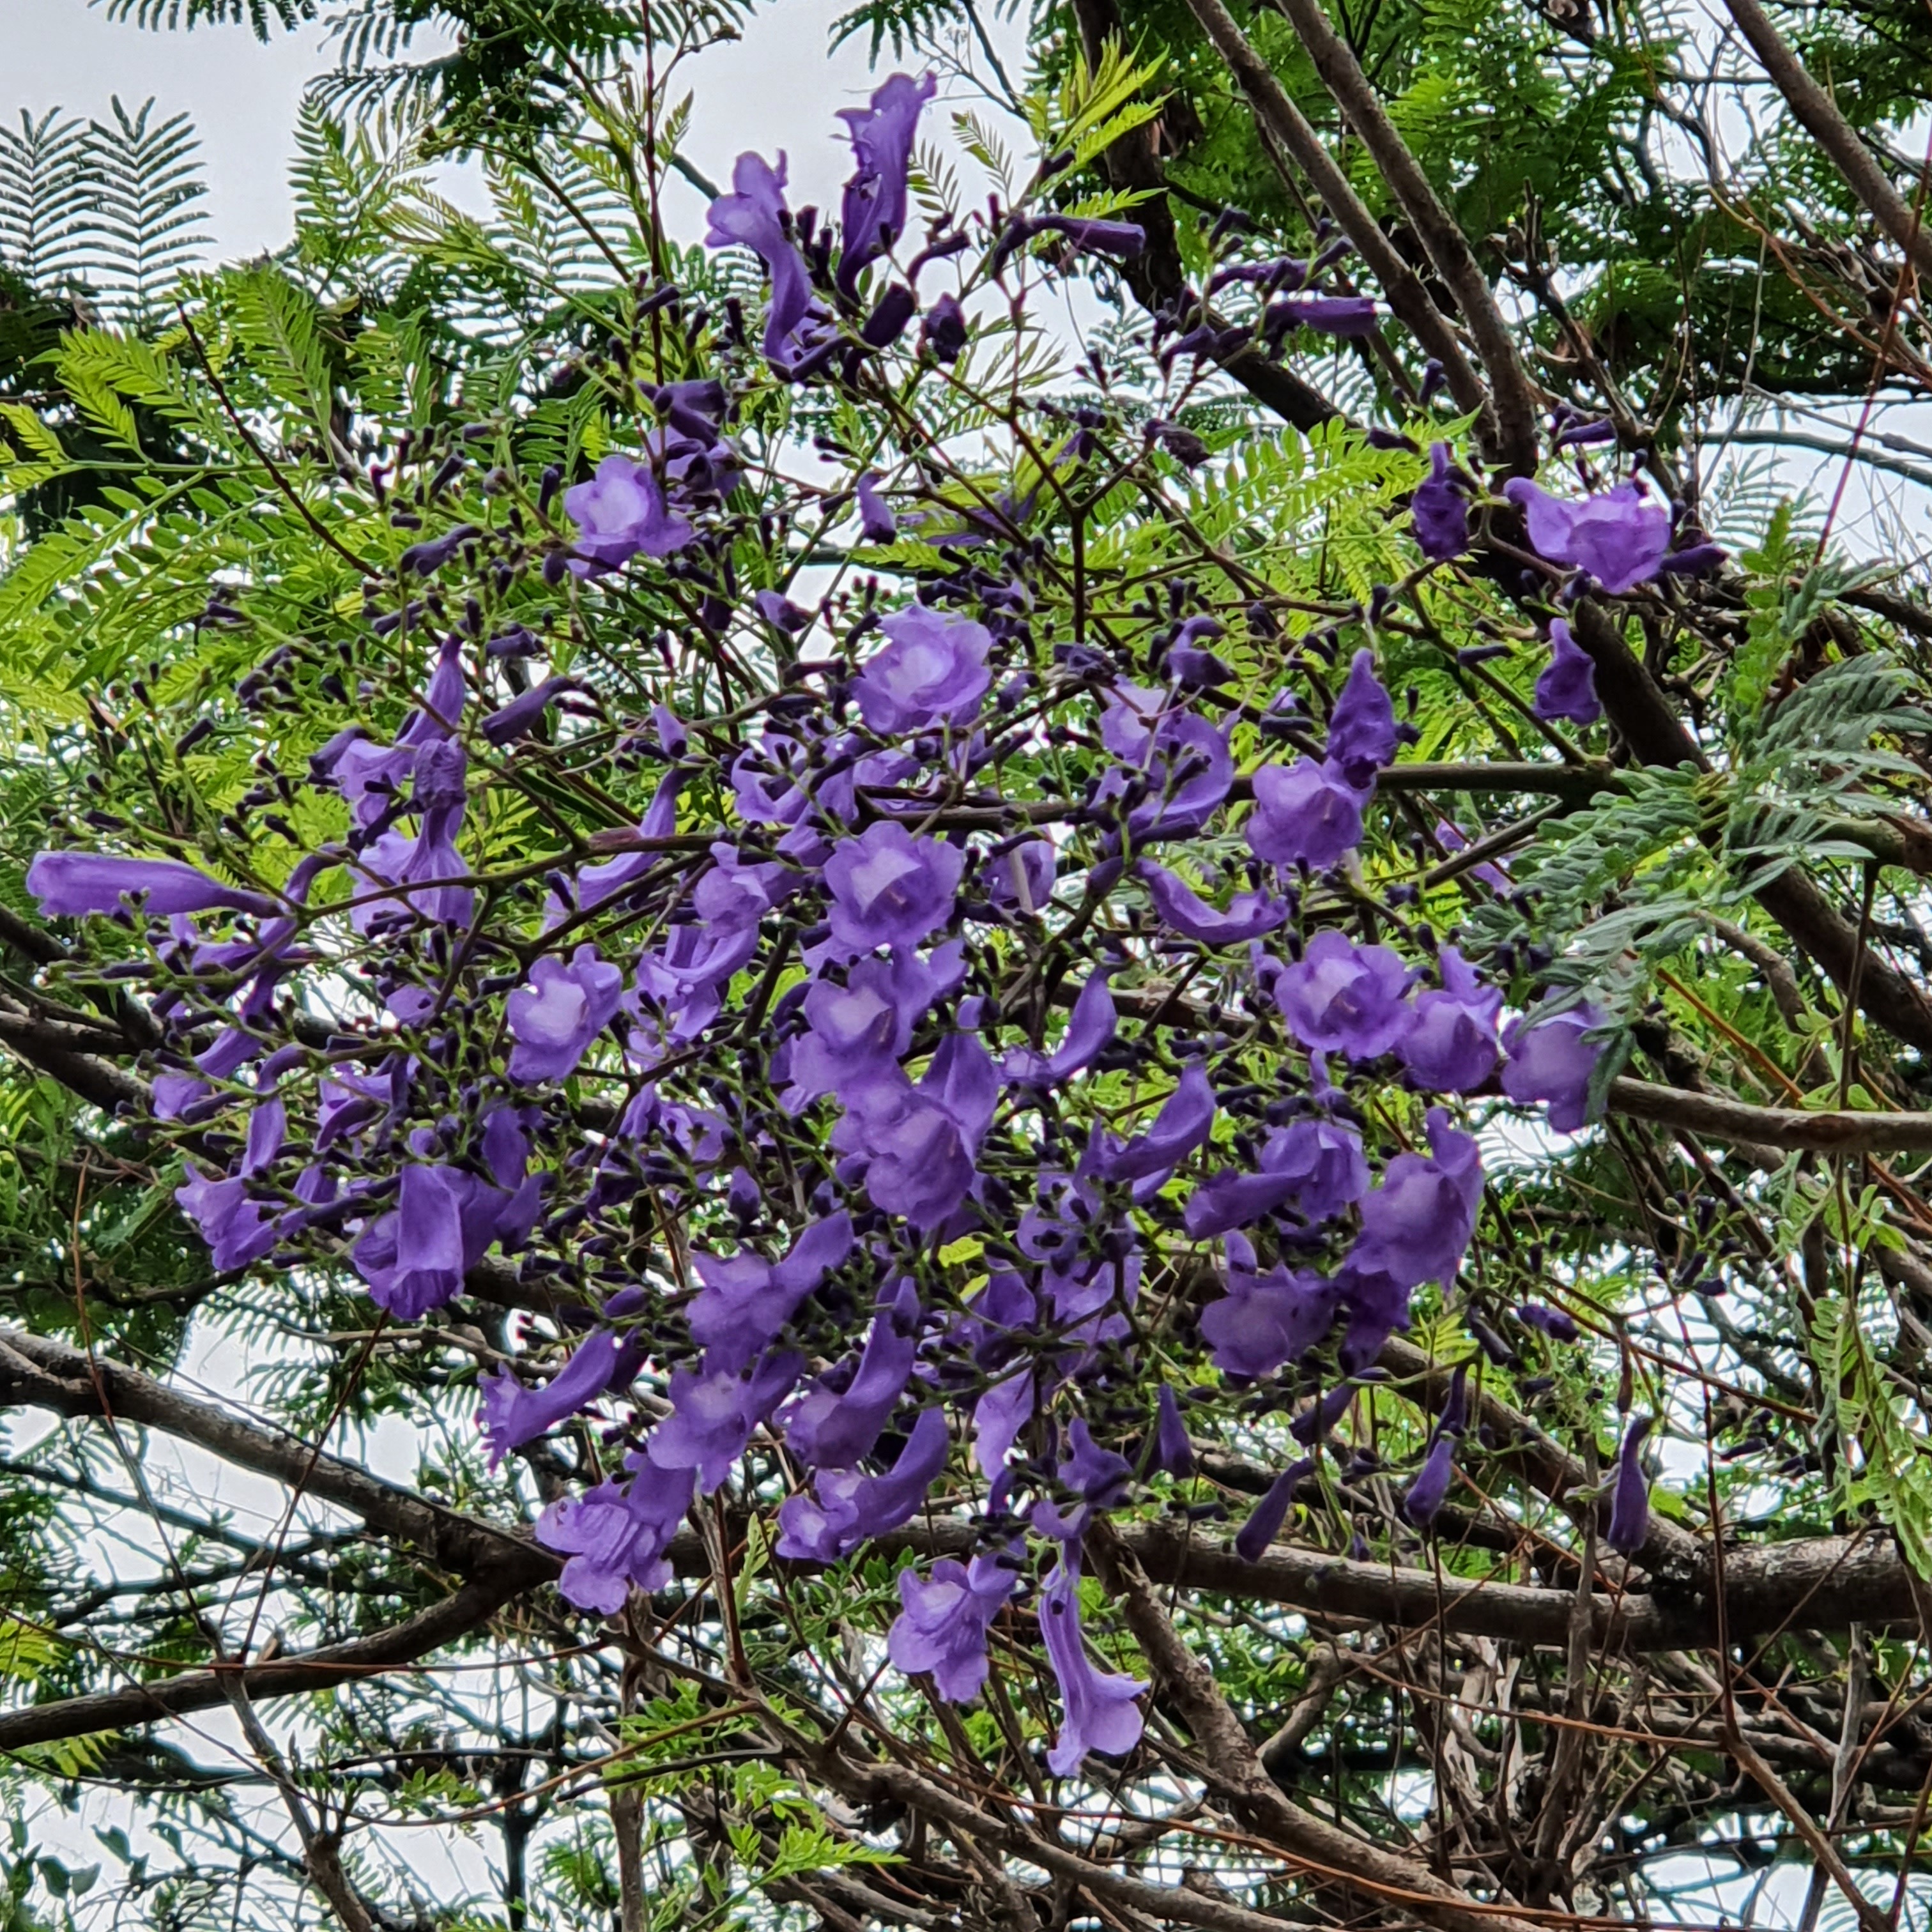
x=777, y=88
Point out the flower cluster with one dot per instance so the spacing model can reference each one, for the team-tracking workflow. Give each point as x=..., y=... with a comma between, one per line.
x=850, y=1094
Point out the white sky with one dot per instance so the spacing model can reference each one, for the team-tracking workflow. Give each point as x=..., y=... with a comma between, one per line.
x=778, y=88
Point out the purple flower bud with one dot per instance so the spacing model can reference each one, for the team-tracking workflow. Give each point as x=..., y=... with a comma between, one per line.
x=1552, y=1322
x=1439, y=512
x=520, y=715
x=932, y=671
x=890, y=314
x=1451, y=1046
x=1619, y=537
x=1100, y=1713
x=1305, y=813
x=1630, y=1501
x=1568, y=688
x=620, y=514
x=889, y=889
x=943, y=1623
x=554, y=1018
x=1350, y=317
x=1341, y=997
x=1549, y=1060
x=1694, y=560
x=71, y=885
x=944, y=331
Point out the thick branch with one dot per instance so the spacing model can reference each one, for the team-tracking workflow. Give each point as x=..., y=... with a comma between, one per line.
x=1833, y=132
x=1284, y=123
x=1722, y=1119
x=359, y=1658
x=38, y=1372
x=1514, y=396
x=1235, y=1773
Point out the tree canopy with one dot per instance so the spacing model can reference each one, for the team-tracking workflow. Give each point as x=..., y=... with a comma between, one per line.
x=1043, y=1054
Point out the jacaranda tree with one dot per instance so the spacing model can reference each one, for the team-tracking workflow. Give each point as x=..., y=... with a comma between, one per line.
x=961, y=1121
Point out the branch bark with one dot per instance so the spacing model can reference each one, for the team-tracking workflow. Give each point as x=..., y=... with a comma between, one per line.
x=1513, y=395
x=1820, y=116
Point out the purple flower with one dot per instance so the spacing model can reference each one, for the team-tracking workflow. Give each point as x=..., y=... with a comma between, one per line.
x=237, y=1230
x=1249, y=915
x=429, y=861
x=1341, y=997
x=1100, y=1713
x=1361, y=729
x=620, y=514
x=1568, y=688
x=1451, y=1047
x=615, y=1538
x=1181, y=1126
x=920, y=1142
x=414, y=1257
x=746, y=1301
x=844, y=1507
x=835, y=1423
x=1119, y=239
x=873, y=216
x=877, y=523
x=1265, y=1321
x=512, y=1414
x=933, y=671
x=1439, y=510
x=859, y=1031
x=1089, y=1031
x=890, y=888
x=1549, y=1060
x=554, y=1017
x=1022, y=877
x=1099, y=1479
x=1426, y=1493
x=1188, y=771
x=998, y=1416
x=1265, y=1519
x=1416, y=1224
x=1630, y=1501
x=1172, y=1450
x=943, y=1623
x=1324, y=1159
x=1349, y=316
x=1619, y=537
x=71, y=885
x=1307, y=813
x=713, y=1412
x=754, y=217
